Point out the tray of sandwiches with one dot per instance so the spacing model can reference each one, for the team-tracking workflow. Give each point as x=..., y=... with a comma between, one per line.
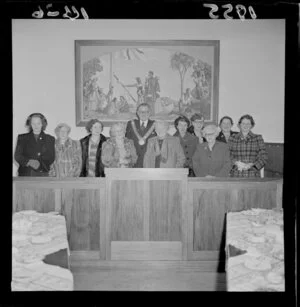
x=35, y=237
x=255, y=250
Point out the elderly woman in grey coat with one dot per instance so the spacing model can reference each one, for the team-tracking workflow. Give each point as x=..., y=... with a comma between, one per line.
x=164, y=150
x=212, y=158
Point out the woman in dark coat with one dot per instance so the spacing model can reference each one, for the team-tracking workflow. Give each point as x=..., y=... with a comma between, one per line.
x=35, y=150
x=212, y=158
x=91, y=147
x=225, y=124
x=188, y=141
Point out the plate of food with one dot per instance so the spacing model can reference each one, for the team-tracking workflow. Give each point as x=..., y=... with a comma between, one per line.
x=41, y=239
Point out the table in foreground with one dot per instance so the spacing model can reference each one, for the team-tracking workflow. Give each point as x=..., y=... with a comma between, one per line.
x=255, y=252
x=40, y=252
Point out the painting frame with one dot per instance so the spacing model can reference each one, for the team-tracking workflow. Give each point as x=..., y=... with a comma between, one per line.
x=107, y=120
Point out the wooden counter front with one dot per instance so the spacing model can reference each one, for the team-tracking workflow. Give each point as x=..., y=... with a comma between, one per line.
x=145, y=214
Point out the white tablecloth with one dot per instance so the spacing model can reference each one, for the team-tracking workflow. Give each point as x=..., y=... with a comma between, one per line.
x=36, y=235
x=254, y=249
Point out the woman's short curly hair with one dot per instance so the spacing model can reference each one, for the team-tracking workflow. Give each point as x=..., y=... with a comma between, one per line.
x=197, y=116
x=249, y=117
x=181, y=118
x=226, y=117
x=114, y=126
x=91, y=123
x=59, y=126
x=39, y=115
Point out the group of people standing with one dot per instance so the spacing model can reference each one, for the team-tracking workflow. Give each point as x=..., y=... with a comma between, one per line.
x=142, y=143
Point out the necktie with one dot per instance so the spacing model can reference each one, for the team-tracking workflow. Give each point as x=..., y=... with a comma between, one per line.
x=143, y=126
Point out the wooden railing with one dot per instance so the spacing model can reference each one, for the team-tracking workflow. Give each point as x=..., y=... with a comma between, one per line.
x=145, y=214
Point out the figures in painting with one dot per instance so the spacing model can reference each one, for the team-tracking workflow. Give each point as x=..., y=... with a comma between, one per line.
x=114, y=85
x=139, y=89
x=152, y=89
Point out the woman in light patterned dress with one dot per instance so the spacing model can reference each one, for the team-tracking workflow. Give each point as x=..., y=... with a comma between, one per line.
x=118, y=151
x=67, y=154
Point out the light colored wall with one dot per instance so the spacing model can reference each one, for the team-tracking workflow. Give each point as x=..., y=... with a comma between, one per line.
x=252, y=55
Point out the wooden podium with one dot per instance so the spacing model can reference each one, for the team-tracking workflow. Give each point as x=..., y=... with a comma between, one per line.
x=146, y=217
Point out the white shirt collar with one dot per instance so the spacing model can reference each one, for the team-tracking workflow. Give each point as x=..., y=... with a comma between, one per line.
x=146, y=123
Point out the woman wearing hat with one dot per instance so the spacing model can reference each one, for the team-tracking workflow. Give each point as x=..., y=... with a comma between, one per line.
x=67, y=154
x=212, y=158
x=196, y=127
x=188, y=141
x=247, y=150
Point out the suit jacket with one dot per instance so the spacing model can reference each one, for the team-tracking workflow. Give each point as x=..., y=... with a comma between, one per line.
x=221, y=136
x=171, y=145
x=215, y=163
x=140, y=149
x=28, y=148
x=189, y=145
x=99, y=167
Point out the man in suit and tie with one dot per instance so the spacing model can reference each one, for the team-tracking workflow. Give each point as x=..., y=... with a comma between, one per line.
x=140, y=130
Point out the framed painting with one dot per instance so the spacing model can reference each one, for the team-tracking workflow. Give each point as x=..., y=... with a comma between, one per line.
x=173, y=76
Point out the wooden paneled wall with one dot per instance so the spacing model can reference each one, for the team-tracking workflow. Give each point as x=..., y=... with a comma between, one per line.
x=156, y=215
x=209, y=202
x=274, y=166
x=80, y=200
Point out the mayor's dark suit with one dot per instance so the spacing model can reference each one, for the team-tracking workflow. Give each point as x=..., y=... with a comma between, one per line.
x=99, y=167
x=140, y=149
x=28, y=148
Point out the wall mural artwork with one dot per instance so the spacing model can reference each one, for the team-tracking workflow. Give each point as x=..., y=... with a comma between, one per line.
x=173, y=77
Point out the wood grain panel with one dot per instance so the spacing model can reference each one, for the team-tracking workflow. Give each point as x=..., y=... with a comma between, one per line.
x=165, y=210
x=210, y=207
x=41, y=200
x=279, y=195
x=146, y=173
x=83, y=256
x=208, y=218
x=82, y=211
x=275, y=158
x=255, y=198
x=14, y=198
x=126, y=217
x=103, y=235
x=146, y=250
x=59, y=183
